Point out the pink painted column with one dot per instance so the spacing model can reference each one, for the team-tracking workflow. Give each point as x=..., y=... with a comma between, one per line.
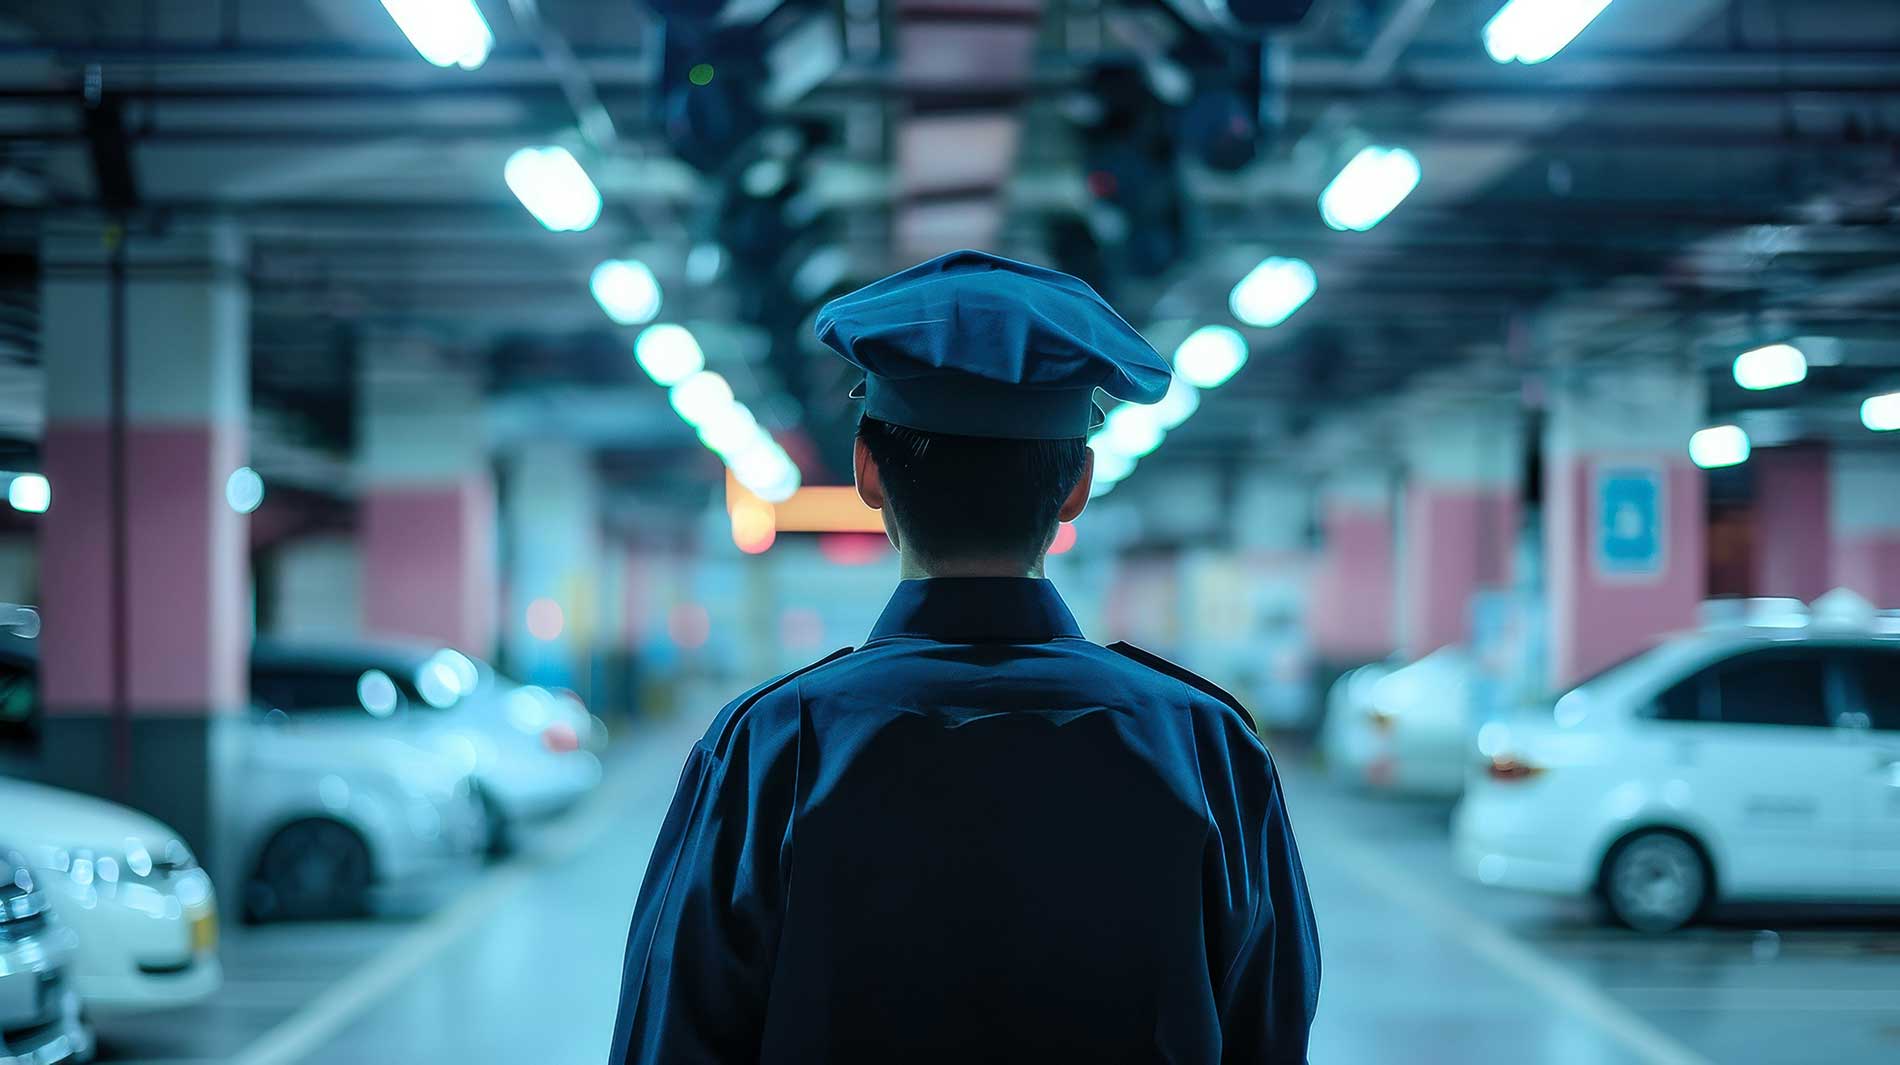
x=144, y=566
x=1625, y=515
x=1793, y=547
x=1865, y=508
x=1459, y=529
x=428, y=515
x=1350, y=613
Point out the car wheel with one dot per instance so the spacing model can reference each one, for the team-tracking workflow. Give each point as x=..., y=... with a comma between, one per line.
x=1655, y=882
x=310, y=870
x=501, y=836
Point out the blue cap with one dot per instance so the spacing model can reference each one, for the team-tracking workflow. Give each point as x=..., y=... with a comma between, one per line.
x=972, y=344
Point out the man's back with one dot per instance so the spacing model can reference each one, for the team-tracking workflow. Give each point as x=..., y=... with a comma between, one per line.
x=977, y=838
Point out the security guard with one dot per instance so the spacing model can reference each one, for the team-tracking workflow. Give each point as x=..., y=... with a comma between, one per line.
x=979, y=837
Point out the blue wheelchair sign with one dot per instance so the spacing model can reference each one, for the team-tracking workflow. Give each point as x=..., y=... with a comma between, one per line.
x=1629, y=521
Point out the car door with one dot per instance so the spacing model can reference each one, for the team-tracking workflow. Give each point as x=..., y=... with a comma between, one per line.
x=1874, y=710
x=1753, y=737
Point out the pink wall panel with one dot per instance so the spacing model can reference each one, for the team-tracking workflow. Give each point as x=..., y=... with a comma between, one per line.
x=186, y=629
x=1350, y=612
x=1870, y=565
x=1599, y=619
x=1457, y=541
x=1792, y=548
x=428, y=563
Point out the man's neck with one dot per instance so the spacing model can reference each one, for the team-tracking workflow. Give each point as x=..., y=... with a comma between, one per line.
x=910, y=567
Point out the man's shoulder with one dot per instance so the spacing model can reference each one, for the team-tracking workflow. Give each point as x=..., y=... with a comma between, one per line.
x=772, y=703
x=1199, y=690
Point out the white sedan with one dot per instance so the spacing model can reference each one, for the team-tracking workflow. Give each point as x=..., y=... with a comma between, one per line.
x=142, y=910
x=1747, y=764
x=1406, y=730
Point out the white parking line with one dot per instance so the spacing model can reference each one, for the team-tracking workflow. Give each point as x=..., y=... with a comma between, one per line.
x=1493, y=944
x=310, y=1028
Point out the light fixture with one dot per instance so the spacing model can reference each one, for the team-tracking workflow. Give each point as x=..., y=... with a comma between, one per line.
x=1182, y=400
x=1775, y=366
x=1880, y=413
x=1367, y=188
x=1531, y=31
x=627, y=290
x=1718, y=446
x=244, y=490
x=766, y=471
x=448, y=33
x=30, y=493
x=1210, y=355
x=668, y=353
x=700, y=397
x=1132, y=429
x=554, y=188
x=1272, y=291
x=732, y=432
x=1112, y=465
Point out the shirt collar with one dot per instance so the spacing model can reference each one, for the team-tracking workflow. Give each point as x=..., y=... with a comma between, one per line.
x=977, y=610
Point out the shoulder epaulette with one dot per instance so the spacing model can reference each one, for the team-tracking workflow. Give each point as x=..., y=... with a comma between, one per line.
x=1185, y=676
x=749, y=699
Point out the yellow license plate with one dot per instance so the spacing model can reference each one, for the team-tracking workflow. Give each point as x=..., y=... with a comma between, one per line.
x=204, y=933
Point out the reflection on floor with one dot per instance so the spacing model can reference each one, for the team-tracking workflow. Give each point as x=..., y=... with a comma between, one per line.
x=1419, y=966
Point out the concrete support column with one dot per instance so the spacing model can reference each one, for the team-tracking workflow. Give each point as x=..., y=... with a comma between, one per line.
x=1866, y=524
x=1793, y=547
x=1459, y=523
x=552, y=551
x=1625, y=515
x=144, y=565
x=1350, y=612
x=428, y=509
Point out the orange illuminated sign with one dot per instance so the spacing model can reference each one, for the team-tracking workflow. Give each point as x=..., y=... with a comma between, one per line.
x=821, y=509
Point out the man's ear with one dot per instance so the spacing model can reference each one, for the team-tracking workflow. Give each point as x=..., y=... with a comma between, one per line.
x=864, y=472
x=1079, y=495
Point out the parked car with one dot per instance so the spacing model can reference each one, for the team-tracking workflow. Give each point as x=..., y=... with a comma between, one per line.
x=321, y=825
x=143, y=912
x=331, y=823
x=40, y=1019
x=1751, y=762
x=1406, y=729
x=524, y=746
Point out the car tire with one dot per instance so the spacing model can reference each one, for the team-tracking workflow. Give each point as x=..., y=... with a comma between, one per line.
x=501, y=833
x=1656, y=881
x=313, y=870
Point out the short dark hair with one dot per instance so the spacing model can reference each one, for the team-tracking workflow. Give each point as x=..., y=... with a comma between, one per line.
x=973, y=497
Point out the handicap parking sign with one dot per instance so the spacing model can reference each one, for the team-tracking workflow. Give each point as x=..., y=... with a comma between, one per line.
x=1629, y=521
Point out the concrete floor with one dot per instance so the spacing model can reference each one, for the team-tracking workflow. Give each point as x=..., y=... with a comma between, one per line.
x=1420, y=967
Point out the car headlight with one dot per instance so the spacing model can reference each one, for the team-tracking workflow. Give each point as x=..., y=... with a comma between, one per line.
x=21, y=899
x=161, y=885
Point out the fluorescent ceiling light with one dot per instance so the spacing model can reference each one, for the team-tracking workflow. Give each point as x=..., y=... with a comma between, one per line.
x=627, y=290
x=244, y=490
x=1131, y=429
x=448, y=33
x=30, y=493
x=1210, y=355
x=668, y=353
x=1775, y=366
x=701, y=398
x=1272, y=291
x=1367, y=188
x=1718, y=446
x=1531, y=31
x=554, y=188
x=1182, y=400
x=1880, y=413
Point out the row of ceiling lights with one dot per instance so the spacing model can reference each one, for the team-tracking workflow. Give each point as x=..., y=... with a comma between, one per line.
x=1770, y=367
x=556, y=190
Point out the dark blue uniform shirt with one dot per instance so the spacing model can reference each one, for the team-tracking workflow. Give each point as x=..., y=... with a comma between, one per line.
x=977, y=838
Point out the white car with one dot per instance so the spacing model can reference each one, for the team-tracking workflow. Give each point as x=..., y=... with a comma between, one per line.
x=327, y=823
x=525, y=747
x=1406, y=730
x=1751, y=763
x=40, y=1021
x=142, y=910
